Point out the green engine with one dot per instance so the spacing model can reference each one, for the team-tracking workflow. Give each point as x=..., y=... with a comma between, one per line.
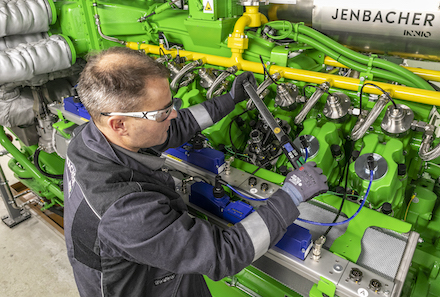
x=346, y=107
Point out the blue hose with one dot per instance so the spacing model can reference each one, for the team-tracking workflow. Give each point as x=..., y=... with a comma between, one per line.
x=349, y=219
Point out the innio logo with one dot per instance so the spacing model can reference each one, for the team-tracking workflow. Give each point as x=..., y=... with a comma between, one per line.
x=390, y=17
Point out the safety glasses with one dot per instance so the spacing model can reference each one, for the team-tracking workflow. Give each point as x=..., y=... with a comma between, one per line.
x=156, y=115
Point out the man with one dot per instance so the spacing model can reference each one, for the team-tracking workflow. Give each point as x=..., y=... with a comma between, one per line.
x=127, y=231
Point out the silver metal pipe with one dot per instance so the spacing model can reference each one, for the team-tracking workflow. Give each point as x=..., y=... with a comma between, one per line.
x=425, y=151
x=98, y=25
x=219, y=80
x=311, y=102
x=187, y=68
x=362, y=125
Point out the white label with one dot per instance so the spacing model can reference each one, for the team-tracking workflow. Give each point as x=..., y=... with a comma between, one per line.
x=208, y=6
x=362, y=292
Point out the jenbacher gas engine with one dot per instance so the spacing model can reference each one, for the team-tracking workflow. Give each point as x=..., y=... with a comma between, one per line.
x=351, y=86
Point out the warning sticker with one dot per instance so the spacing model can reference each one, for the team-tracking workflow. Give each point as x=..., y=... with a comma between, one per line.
x=208, y=6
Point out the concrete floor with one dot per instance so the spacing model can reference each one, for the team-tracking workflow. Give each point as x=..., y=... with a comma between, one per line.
x=33, y=260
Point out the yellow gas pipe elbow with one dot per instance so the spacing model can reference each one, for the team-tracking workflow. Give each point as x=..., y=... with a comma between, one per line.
x=238, y=40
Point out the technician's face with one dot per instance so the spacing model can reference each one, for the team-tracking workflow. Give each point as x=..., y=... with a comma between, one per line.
x=147, y=133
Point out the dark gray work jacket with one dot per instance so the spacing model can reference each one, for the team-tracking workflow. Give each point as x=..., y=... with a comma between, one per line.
x=128, y=233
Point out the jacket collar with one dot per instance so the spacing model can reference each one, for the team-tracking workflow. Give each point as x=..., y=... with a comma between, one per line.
x=97, y=142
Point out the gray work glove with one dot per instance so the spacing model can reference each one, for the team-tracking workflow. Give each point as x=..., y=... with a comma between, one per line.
x=304, y=183
x=238, y=93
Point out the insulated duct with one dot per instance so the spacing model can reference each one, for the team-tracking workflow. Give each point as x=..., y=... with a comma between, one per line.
x=28, y=60
x=26, y=16
x=42, y=78
x=16, y=107
x=17, y=111
x=15, y=40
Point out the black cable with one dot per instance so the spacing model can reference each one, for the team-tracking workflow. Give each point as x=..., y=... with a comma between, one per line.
x=345, y=172
x=230, y=130
x=306, y=86
x=437, y=88
x=36, y=163
x=161, y=50
x=377, y=87
x=266, y=71
x=349, y=150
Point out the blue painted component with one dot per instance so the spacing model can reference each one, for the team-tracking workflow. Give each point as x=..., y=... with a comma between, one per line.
x=235, y=211
x=76, y=108
x=296, y=241
x=202, y=196
x=207, y=158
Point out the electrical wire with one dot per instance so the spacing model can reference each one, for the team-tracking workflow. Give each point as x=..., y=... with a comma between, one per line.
x=379, y=88
x=409, y=204
x=230, y=130
x=307, y=155
x=308, y=85
x=341, y=194
x=344, y=172
x=266, y=71
x=350, y=218
x=244, y=196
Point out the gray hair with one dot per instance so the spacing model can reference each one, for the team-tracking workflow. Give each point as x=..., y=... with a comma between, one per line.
x=116, y=79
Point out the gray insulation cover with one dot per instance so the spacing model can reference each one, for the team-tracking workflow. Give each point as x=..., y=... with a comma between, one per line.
x=41, y=79
x=17, y=111
x=16, y=107
x=28, y=60
x=15, y=40
x=24, y=16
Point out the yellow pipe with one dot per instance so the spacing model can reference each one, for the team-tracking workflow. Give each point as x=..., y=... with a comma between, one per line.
x=241, y=23
x=347, y=83
x=238, y=40
x=273, y=11
x=257, y=18
x=427, y=74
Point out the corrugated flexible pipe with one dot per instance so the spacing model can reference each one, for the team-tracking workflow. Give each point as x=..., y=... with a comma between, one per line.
x=28, y=60
x=362, y=126
x=425, y=151
x=26, y=16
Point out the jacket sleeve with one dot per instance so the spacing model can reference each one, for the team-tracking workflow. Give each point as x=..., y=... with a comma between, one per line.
x=144, y=228
x=196, y=118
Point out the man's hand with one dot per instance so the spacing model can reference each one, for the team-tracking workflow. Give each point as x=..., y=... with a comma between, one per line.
x=238, y=93
x=305, y=183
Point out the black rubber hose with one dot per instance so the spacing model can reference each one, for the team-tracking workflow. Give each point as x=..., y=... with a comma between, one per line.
x=36, y=155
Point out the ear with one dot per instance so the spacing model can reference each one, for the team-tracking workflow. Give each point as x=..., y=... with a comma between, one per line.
x=118, y=125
